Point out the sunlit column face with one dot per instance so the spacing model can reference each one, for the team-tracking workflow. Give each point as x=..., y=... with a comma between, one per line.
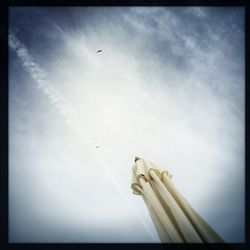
x=167, y=85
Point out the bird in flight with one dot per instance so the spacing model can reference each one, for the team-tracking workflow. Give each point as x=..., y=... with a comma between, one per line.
x=98, y=51
x=97, y=147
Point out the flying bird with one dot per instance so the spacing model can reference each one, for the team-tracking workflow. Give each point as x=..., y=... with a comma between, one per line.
x=97, y=147
x=98, y=51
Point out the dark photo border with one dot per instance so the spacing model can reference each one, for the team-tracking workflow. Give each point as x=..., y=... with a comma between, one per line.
x=4, y=5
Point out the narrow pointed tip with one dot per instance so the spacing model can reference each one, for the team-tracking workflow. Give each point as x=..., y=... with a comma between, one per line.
x=137, y=158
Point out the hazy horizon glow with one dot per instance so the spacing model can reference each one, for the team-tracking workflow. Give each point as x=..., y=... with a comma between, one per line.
x=168, y=86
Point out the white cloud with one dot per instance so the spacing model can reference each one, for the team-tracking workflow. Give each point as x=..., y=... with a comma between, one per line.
x=132, y=99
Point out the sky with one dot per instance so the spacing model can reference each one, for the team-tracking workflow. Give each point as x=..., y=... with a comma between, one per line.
x=168, y=86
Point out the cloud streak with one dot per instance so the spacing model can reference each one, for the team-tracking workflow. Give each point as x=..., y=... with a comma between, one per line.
x=169, y=86
x=68, y=112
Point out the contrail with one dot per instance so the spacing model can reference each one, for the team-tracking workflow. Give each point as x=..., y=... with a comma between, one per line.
x=67, y=110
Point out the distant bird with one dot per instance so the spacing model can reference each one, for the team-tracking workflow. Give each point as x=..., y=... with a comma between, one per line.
x=98, y=51
x=97, y=147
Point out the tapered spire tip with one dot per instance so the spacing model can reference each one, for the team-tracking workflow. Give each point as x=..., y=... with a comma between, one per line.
x=137, y=158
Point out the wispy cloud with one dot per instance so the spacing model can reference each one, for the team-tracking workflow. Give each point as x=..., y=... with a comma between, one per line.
x=68, y=112
x=197, y=11
x=169, y=86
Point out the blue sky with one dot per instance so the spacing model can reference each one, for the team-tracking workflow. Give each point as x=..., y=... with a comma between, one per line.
x=168, y=86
